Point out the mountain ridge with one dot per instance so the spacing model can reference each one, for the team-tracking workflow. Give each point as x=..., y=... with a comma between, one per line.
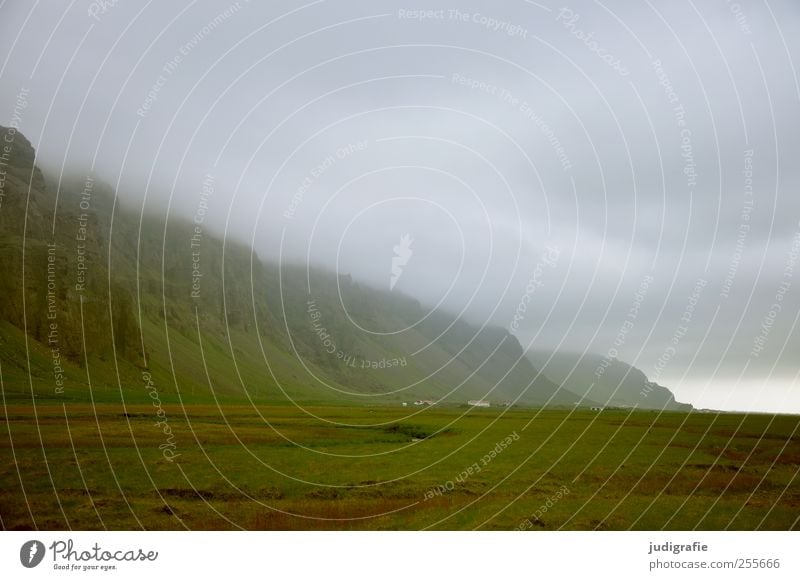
x=166, y=297
x=609, y=381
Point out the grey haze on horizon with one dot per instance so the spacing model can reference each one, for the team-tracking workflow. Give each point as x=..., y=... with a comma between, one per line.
x=627, y=171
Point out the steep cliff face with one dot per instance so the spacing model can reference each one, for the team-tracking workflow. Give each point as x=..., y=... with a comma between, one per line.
x=607, y=381
x=56, y=286
x=87, y=279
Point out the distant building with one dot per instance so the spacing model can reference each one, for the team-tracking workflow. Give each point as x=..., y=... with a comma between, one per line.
x=424, y=402
x=478, y=403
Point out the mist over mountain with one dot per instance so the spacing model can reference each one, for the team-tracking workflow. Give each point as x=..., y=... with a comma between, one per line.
x=88, y=279
x=526, y=171
x=608, y=381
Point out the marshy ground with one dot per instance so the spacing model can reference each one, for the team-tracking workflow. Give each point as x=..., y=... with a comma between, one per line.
x=83, y=466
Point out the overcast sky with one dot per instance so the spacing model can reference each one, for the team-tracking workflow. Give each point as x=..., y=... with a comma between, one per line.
x=626, y=171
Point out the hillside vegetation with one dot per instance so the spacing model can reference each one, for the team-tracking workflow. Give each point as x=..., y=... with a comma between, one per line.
x=98, y=293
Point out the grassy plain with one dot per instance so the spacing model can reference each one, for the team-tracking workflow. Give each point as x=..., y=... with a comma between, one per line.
x=98, y=466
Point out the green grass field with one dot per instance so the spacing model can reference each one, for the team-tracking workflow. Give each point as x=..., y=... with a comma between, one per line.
x=83, y=466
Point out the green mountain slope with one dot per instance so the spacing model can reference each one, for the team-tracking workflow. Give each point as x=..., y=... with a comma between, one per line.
x=608, y=381
x=99, y=301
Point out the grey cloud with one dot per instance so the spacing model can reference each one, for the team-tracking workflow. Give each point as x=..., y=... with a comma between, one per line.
x=560, y=148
